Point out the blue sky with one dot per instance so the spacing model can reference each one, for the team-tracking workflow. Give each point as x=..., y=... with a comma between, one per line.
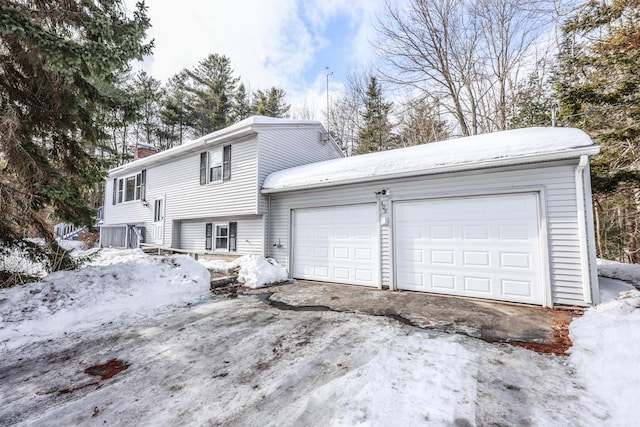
x=283, y=43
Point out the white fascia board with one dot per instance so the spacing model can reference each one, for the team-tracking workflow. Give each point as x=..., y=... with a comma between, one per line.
x=526, y=159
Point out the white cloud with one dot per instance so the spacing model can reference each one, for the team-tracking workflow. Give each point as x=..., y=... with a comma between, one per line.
x=269, y=42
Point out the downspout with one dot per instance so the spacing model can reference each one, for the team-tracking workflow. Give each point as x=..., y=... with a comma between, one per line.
x=268, y=225
x=583, y=234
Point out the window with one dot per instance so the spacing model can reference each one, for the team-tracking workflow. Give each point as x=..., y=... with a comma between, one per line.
x=222, y=236
x=215, y=166
x=130, y=188
x=115, y=191
x=158, y=214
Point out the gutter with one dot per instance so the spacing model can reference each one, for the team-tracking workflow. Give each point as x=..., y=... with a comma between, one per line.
x=511, y=161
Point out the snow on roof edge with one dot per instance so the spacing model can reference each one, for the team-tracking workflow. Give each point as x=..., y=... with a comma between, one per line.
x=459, y=154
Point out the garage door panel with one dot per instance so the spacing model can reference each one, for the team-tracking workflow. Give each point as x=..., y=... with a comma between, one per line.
x=517, y=288
x=441, y=232
x=488, y=247
x=337, y=244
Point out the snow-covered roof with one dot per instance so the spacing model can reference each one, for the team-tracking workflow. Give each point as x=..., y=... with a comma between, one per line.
x=487, y=150
x=242, y=128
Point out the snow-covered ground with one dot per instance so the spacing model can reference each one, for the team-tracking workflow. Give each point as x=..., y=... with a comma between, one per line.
x=198, y=359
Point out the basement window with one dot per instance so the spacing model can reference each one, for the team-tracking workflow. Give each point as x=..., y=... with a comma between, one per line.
x=221, y=236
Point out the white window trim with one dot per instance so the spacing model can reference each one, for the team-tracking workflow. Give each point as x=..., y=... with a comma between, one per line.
x=158, y=211
x=210, y=168
x=225, y=165
x=215, y=237
x=121, y=196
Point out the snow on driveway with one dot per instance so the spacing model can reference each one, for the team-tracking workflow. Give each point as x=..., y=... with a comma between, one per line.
x=198, y=359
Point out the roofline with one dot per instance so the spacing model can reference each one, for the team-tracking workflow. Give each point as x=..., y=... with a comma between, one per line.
x=220, y=136
x=528, y=158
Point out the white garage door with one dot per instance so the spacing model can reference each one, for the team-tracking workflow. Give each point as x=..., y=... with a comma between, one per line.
x=485, y=247
x=336, y=244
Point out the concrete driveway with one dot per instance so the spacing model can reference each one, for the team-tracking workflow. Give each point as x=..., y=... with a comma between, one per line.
x=536, y=328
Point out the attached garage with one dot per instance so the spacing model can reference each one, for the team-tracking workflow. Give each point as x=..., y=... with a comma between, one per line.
x=504, y=216
x=336, y=244
x=486, y=247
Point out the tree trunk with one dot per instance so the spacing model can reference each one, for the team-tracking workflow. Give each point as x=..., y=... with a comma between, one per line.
x=596, y=211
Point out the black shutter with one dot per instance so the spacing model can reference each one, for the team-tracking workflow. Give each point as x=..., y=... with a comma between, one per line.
x=226, y=163
x=143, y=184
x=208, y=237
x=115, y=190
x=203, y=168
x=233, y=233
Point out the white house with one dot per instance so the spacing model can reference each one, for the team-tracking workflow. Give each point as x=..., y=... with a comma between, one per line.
x=204, y=196
x=504, y=216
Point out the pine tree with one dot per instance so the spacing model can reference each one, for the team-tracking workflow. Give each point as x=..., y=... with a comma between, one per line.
x=175, y=114
x=59, y=69
x=531, y=103
x=599, y=90
x=148, y=94
x=270, y=103
x=375, y=132
x=241, y=107
x=210, y=88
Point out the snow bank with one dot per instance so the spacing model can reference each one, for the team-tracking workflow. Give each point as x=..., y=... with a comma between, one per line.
x=118, y=283
x=612, y=288
x=606, y=352
x=255, y=271
x=616, y=270
x=512, y=144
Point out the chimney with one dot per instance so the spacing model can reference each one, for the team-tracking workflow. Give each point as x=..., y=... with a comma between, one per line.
x=142, y=151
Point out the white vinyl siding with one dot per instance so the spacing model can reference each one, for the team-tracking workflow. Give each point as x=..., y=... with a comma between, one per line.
x=183, y=181
x=178, y=182
x=294, y=147
x=385, y=254
x=557, y=180
x=249, y=239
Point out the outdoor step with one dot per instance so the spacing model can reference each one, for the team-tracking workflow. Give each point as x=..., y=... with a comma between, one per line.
x=218, y=281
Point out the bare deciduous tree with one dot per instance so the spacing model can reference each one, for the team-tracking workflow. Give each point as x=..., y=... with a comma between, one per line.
x=344, y=118
x=465, y=54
